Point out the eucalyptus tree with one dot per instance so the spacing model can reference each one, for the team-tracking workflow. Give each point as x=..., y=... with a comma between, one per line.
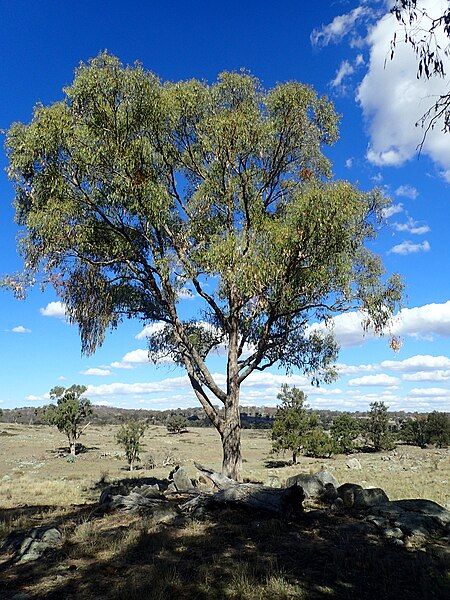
x=129, y=189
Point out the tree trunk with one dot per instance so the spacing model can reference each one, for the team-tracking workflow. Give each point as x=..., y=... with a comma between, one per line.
x=294, y=458
x=72, y=446
x=231, y=440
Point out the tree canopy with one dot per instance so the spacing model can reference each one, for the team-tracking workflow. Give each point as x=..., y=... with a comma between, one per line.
x=129, y=189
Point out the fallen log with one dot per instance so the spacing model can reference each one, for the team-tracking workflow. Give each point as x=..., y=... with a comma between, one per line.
x=280, y=501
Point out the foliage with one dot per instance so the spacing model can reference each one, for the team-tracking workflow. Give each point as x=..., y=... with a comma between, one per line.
x=129, y=437
x=414, y=431
x=378, y=427
x=130, y=189
x=293, y=421
x=438, y=429
x=70, y=412
x=423, y=33
x=344, y=430
x=176, y=423
x=318, y=444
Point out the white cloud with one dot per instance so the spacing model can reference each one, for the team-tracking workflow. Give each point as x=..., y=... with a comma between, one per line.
x=20, y=329
x=408, y=247
x=428, y=376
x=54, y=309
x=121, y=365
x=419, y=362
x=185, y=294
x=412, y=227
x=430, y=392
x=407, y=191
x=150, y=330
x=419, y=322
x=354, y=369
x=345, y=70
x=392, y=210
x=138, y=356
x=340, y=26
x=393, y=99
x=375, y=380
x=97, y=372
x=349, y=163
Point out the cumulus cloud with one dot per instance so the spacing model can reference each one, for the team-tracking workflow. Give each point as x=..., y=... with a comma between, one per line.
x=54, y=309
x=97, y=372
x=375, y=380
x=428, y=376
x=412, y=227
x=349, y=163
x=395, y=209
x=150, y=330
x=408, y=247
x=407, y=191
x=20, y=329
x=419, y=362
x=393, y=100
x=434, y=392
x=340, y=26
x=419, y=322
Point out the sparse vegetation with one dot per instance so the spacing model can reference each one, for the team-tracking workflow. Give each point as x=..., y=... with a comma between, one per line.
x=70, y=412
x=130, y=437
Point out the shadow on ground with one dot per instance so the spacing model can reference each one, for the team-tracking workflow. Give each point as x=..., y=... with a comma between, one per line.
x=229, y=555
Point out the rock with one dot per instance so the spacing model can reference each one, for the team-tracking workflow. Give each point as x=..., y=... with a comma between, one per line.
x=338, y=504
x=312, y=485
x=6, y=478
x=355, y=496
x=347, y=493
x=353, y=463
x=416, y=517
x=182, y=481
x=171, y=488
x=393, y=532
x=327, y=477
x=21, y=596
x=329, y=494
x=273, y=481
x=36, y=542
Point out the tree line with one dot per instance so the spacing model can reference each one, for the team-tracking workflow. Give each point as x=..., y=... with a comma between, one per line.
x=298, y=429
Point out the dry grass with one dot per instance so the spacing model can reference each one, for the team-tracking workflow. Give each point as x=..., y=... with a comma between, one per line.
x=36, y=473
x=227, y=556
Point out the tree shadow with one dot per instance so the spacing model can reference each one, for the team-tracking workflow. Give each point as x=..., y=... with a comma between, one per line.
x=277, y=463
x=230, y=554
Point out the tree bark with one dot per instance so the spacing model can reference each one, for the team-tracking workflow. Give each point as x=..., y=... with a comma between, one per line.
x=294, y=458
x=230, y=433
x=72, y=446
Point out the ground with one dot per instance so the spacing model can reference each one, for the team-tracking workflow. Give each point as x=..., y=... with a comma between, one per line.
x=227, y=555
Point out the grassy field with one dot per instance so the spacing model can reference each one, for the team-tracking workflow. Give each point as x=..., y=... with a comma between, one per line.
x=227, y=555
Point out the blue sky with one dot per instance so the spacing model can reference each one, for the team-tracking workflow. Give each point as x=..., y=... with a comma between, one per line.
x=338, y=47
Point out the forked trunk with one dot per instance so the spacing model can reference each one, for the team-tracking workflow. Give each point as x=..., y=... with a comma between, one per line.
x=231, y=440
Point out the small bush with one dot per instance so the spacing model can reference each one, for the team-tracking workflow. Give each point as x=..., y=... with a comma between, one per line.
x=129, y=437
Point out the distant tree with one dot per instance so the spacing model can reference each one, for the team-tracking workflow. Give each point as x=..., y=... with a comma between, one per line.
x=70, y=412
x=129, y=437
x=344, y=430
x=438, y=429
x=293, y=421
x=318, y=444
x=176, y=423
x=415, y=431
x=422, y=32
x=378, y=427
x=129, y=189
x=1, y=414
